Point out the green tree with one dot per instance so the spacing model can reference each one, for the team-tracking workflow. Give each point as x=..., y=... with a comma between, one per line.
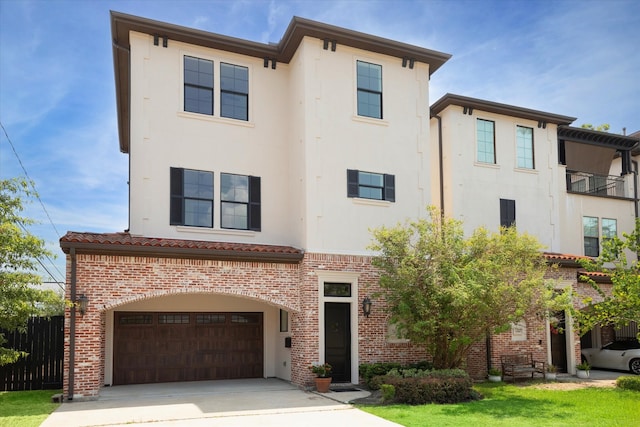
x=622, y=305
x=20, y=296
x=602, y=128
x=446, y=292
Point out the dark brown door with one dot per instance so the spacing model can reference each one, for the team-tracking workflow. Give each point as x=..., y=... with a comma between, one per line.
x=166, y=347
x=559, y=343
x=337, y=340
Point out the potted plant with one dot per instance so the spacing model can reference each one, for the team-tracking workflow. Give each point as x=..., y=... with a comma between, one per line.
x=495, y=375
x=551, y=373
x=323, y=376
x=583, y=369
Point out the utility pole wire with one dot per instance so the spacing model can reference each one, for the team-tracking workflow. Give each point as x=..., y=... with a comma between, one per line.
x=31, y=182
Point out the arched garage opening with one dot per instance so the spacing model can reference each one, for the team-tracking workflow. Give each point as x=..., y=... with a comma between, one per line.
x=194, y=337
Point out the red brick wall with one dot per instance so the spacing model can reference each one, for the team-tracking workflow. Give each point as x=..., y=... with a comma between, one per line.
x=372, y=342
x=110, y=281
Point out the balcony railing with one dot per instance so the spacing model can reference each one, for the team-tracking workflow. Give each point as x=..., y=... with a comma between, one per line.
x=596, y=185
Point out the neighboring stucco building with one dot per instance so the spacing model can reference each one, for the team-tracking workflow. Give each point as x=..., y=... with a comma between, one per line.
x=570, y=187
x=256, y=173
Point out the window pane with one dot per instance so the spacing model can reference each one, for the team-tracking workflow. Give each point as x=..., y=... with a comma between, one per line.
x=337, y=289
x=234, y=91
x=198, y=85
x=234, y=188
x=591, y=246
x=198, y=213
x=369, y=76
x=234, y=106
x=609, y=228
x=208, y=318
x=369, y=92
x=590, y=226
x=198, y=184
x=486, y=146
x=372, y=179
x=524, y=138
x=173, y=319
x=369, y=104
x=234, y=215
x=245, y=318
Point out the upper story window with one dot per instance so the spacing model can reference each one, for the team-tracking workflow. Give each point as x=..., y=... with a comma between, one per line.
x=234, y=91
x=191, y=198
x=486, y=141
x=198, y=85
x=368, y=185
x=524, y=147
x=609, y=228
x=369, y=89
x=240, y=202
x=507, y=212
x=591, y=236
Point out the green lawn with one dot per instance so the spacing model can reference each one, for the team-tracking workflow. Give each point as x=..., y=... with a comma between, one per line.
x=25, y=408
x=509, y=405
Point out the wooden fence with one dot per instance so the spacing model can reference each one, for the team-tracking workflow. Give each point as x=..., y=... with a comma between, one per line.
x=42, y=368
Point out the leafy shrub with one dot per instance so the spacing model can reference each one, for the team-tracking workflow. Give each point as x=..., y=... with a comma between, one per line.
x=388, y=392
x=371, y=371
x=446, y=386
x=368, y=371
x=628, y=383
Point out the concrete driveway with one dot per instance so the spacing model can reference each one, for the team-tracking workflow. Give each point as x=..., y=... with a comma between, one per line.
x=233, y=403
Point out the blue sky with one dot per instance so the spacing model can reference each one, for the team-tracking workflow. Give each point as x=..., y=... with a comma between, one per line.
x=57, y=96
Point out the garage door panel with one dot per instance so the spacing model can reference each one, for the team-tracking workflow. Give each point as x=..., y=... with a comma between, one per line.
x=166, y=347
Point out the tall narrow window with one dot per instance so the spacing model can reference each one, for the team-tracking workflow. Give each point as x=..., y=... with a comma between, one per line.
x=486, y=141
x=234, y=91
x=369, y=89
x=368, y=185
x=507, y=212
x=609, y=228
x=198, y=85
x=191, y=198
x=240, y=202
x=524, y=142
x=591, y=236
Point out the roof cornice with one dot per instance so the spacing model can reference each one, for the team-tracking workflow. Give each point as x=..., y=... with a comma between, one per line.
x=124, y=244
x=497, y=108
x=122, y=24
x=594, y=137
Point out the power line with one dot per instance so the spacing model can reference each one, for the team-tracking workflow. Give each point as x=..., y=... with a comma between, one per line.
x=31, y=182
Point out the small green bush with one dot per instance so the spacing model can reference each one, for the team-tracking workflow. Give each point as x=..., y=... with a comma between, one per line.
x=371, y=372
x=447, y=386
x=388, y=392
x=628, y=383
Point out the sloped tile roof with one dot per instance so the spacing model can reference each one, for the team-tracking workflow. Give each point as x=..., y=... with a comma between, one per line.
x=126, y=244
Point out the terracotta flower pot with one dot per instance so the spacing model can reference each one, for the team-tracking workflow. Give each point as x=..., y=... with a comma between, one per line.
x=322, y=384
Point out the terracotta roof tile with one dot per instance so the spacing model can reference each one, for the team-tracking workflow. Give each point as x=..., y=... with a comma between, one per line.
x=125, y=242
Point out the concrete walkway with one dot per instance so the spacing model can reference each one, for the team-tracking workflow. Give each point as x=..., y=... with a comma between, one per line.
x=263, y=402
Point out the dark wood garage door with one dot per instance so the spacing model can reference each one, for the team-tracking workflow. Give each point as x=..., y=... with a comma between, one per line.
x=165, y=347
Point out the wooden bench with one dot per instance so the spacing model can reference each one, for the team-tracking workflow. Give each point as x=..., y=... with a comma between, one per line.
x=514, y=365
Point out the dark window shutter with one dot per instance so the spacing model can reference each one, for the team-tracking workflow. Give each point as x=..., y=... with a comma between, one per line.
x=507, y=212
x=390, y=188
x=352, y=183
x=176, y=216
x=255, y=217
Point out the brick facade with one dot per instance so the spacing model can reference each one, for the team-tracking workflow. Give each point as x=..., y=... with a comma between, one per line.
x=112, y=281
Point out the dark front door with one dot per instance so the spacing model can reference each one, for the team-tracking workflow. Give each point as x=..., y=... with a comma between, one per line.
x=337, y=339
x=559, y=343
